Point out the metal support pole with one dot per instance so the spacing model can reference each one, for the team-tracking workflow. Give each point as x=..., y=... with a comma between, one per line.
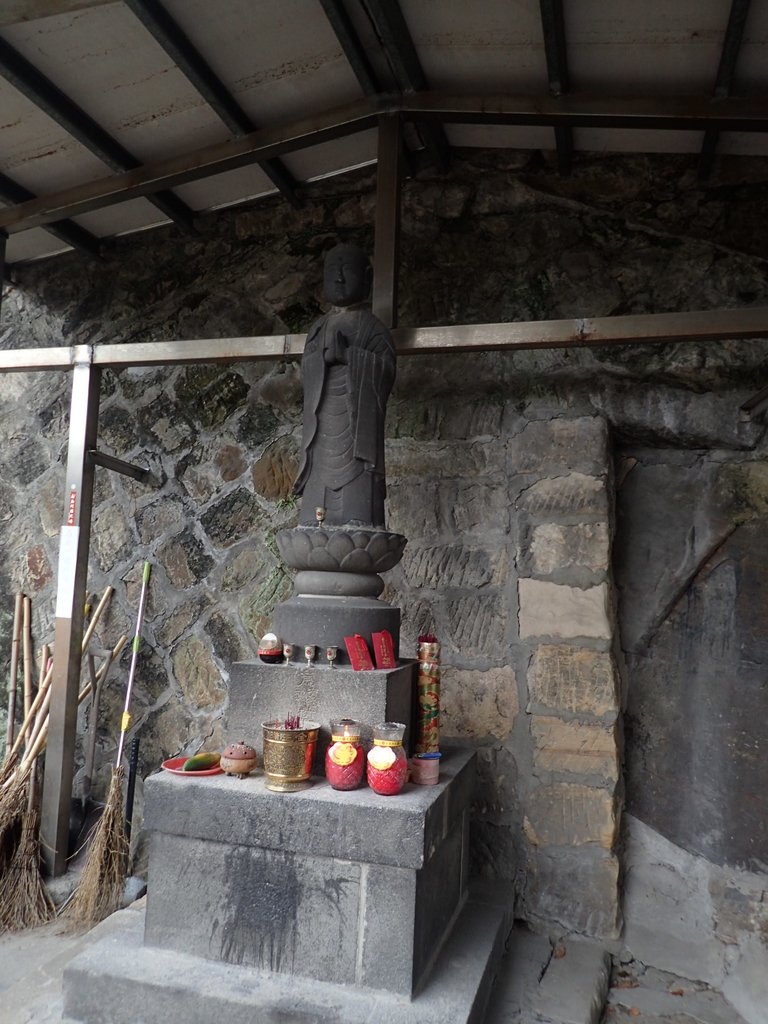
x=386, y=255
x=3, y=240
x=70, y=603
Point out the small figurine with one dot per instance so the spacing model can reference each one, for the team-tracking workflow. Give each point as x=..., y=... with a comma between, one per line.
x=271, y=649
x=238, y=759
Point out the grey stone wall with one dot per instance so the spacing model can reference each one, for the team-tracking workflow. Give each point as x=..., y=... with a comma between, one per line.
x=500, y=464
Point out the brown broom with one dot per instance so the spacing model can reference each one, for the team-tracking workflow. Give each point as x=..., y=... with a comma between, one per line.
x=16, y=773
x=103, y=879
x=24, y=900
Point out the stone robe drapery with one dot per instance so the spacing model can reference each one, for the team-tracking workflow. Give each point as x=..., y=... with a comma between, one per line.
x=345, y=399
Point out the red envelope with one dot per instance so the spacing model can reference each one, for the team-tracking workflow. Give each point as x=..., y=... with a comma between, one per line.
x=384, y=649
x=359, y=655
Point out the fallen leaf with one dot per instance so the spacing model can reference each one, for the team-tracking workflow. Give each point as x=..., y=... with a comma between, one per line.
x=634, y=1011
x=627, y=983
x=677, y=992
x=558, y=952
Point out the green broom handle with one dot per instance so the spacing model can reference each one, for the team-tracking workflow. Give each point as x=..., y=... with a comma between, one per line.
x=126, y=719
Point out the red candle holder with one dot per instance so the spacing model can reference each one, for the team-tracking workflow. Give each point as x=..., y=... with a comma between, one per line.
x=345, y=758
x=387, y=763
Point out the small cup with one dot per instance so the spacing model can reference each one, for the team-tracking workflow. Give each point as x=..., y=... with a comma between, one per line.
x=425, y=769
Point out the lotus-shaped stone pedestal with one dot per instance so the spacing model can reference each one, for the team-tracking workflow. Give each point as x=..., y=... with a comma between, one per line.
x=337, y=586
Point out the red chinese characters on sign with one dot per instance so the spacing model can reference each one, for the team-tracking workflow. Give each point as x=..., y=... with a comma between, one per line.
x=72, y=507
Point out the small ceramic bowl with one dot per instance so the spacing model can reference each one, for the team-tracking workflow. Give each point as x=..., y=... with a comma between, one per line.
x=238, y=759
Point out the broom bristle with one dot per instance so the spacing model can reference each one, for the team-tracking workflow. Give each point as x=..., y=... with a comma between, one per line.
x=13, y=802
x=103, y=879
x=24, y=900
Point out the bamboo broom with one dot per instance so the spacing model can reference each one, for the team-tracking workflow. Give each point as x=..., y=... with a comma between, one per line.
x=13, y=789
x=33, y=719
x=103, y=879
x=24, y=899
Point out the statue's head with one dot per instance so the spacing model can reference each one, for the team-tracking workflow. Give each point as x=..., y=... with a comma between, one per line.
x=347, y=275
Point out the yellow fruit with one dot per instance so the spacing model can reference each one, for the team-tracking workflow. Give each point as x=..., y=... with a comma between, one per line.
x=199, y=762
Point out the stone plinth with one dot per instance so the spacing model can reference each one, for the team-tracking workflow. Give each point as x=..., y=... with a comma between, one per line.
x=351, y=888
x=260, y=693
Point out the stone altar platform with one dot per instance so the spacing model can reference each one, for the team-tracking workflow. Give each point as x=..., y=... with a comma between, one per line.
x=302, y=907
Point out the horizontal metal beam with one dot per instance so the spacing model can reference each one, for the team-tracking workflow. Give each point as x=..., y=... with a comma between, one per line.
x=168, y=33
x=65, y=230
x=582, y=110
x=692, y=113
x=644, y=328
x=25, y=77
x=201, y=163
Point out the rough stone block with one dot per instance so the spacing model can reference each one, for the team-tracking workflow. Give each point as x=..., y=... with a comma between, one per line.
x=546, y=447
x=439, y=460
x=578, y=888
x=473, y=507
x=274, y=473
x=260, y=693
x=198, y=676
x=553, y=609
x=572, y=679
x=572, y=494
x=474, y=705
x=449, y=565
x=565, y=814
x=574, y=985
x=572, y=747
x=475, y=624
x=585, y=545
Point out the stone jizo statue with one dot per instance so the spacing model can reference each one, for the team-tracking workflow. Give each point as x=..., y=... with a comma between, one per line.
x=349, y=369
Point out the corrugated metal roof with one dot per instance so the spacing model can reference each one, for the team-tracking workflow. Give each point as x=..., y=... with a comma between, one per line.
x=281, y=60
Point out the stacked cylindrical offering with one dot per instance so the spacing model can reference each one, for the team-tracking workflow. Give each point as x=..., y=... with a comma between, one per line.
x=428, y=696
x=425, y=766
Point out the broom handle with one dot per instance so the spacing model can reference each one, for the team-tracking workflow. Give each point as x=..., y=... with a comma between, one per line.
x=14, y=670
x=45, y=653
x=40, y=735
x=27, y=654
x=44, y=693
x=126, y=719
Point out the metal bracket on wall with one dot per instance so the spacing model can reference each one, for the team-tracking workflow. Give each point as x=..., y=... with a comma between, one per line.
x=118, y=465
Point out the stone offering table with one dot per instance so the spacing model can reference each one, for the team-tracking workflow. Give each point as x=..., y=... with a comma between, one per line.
x=309, y=906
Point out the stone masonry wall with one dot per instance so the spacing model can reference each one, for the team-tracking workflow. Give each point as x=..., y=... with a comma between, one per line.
x=500, y=464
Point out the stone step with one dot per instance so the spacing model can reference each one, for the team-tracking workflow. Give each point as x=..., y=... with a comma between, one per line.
x=122, y=981
x=542, y=983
